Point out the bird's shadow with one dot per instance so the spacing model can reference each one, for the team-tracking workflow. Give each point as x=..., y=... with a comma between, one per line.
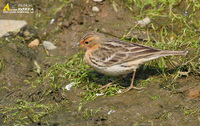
x=142, y=73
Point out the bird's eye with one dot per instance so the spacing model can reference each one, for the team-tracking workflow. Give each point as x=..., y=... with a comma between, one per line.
x=86, y=42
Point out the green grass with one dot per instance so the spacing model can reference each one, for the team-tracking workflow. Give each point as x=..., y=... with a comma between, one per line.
x=177, y=31
x=167, y=37
x=76, y=70
x=24, y=113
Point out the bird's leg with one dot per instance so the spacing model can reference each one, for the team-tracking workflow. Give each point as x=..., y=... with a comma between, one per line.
x=131, y=86
x=110, y=84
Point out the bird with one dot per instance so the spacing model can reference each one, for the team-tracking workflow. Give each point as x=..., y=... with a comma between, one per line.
x=116, y=57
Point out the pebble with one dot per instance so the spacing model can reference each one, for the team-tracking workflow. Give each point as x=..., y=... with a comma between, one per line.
x=26, y=33
x=48, y=45
x=95, y=9
x=34, y=43
x=97, y=0
x=194, y=92
x=144, y=22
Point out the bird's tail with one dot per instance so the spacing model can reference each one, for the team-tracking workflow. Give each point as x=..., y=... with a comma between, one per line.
x=169, y=53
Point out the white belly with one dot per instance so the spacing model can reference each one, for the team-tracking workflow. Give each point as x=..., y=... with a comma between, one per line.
x=115, y=70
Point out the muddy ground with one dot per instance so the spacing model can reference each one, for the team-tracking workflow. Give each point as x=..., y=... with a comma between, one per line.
x=171, y=85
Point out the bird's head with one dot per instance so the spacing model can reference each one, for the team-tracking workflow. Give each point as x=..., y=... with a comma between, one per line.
x=91, y=40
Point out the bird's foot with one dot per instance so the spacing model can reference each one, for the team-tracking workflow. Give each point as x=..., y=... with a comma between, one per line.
x=130, y=88
x=105, y=86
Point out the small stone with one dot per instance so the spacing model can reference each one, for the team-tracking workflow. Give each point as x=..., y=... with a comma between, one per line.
x=144, y=21
x=48, y=45
x=34, y=43
x=97, y=0
x=95, y=9
x=26, y=33
x=194, y=92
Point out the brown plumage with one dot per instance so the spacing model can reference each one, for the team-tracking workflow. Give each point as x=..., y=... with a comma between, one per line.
x=117, y=57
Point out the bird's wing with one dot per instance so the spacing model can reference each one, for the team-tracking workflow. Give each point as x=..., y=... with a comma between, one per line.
x=117, y=52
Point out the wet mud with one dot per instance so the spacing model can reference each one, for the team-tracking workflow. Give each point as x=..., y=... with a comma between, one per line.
x=167, y=98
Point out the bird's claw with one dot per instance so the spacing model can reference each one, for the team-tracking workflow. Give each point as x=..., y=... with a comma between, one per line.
x=130, y=88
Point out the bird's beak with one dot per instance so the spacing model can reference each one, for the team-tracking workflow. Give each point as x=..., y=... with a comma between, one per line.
x=76, y=46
